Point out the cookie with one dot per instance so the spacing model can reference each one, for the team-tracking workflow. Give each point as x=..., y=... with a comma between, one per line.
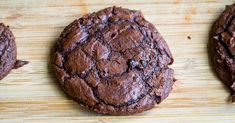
x=114, y=62
x=222, y=39
x=8, y=52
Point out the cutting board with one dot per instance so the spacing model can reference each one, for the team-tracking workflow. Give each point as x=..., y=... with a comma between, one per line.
x=32, y=94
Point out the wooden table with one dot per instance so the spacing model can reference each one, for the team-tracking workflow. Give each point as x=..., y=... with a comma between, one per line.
x=32, y=94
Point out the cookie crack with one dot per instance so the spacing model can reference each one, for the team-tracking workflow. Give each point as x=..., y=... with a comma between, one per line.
x=224, y=45
x=6, y=41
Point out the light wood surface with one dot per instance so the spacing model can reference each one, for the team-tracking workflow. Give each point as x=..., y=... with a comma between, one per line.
x=31, y=93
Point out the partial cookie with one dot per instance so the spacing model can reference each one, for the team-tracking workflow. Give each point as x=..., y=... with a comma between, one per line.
x=114, y=62
x=8, y=52
x=222, y=40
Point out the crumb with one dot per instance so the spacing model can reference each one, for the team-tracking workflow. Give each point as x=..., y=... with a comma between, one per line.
x=189, y=37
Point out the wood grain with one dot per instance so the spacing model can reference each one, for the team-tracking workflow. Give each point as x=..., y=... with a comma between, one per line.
x=31, y=93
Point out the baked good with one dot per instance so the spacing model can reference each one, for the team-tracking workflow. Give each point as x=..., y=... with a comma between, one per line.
x=114, y=62
x=222, y=39
x=8, y=52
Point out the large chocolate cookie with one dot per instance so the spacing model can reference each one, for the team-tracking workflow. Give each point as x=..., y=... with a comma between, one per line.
x=114, y=62
x=222, y=39
x=8, y=52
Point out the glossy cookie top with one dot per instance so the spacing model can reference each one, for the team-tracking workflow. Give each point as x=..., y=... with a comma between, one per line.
x=223, y=46
x=114, y=62
x=8, y=52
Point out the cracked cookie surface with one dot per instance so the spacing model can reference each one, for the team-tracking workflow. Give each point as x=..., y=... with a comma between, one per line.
x=222, y=39
x=114, y=62
x=8, y=52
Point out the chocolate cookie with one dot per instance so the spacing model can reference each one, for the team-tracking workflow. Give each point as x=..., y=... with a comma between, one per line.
x=114, y=62
x=222, y=39
x=8, y=52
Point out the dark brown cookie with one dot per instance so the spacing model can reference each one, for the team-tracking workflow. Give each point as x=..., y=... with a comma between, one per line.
x=8, y=52
x=222, y=39
x=114, y=62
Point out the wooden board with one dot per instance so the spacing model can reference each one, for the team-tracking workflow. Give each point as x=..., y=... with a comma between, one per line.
x=31, y=93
